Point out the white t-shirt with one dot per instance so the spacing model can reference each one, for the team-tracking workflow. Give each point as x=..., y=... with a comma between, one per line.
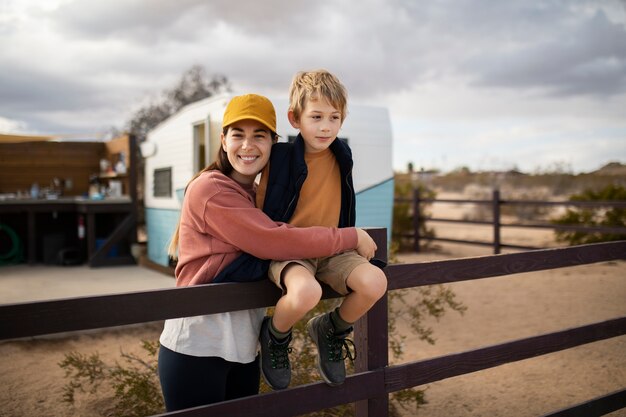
x=232, y=336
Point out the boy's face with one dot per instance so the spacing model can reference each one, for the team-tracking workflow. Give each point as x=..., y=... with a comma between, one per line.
x=319, y=125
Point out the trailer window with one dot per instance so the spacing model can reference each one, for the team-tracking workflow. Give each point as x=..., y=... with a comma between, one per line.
x=162, y=182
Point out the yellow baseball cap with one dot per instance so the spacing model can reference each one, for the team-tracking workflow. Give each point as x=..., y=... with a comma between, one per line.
x=250, y=106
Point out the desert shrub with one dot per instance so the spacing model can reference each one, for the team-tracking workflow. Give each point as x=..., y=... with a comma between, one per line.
x=134, y=383
x=594, y=216
x=478, y=212
x=403, y=215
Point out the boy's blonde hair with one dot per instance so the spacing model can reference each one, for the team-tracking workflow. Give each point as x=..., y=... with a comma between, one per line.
x=316, y=85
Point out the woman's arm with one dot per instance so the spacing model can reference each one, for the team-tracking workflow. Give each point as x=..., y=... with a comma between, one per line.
x=230, y=217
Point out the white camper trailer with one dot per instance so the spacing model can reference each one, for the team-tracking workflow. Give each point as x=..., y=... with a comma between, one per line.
x=189, y=140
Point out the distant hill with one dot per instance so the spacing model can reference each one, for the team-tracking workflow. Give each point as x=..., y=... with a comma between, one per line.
x=559, y=184
x=612, y=168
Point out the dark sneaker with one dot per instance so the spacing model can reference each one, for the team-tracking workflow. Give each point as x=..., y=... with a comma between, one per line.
x=332, y=349
x=275, y=366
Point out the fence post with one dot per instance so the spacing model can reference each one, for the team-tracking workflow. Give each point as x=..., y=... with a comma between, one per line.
x=496, y=221
x=416, y=220
x=371, y=340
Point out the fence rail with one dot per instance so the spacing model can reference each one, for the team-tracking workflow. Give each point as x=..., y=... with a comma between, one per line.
x=496, y=204
x=374, y=378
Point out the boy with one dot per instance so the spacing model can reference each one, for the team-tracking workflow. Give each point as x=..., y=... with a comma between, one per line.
x=309, y=183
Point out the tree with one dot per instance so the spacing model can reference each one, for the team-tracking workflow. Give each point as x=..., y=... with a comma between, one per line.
x=194, y=85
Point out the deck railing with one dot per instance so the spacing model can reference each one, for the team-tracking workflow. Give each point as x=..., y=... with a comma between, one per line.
x=374, y=378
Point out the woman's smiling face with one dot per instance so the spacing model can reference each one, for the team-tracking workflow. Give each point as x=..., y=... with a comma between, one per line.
x=247, y=144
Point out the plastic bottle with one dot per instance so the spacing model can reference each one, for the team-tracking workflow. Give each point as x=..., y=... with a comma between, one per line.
x=34, y=190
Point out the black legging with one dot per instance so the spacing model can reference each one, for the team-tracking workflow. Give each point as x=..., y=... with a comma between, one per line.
x=190, y=381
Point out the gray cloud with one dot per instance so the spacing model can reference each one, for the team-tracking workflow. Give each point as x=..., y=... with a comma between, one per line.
x=590, y=59
x=150, y=21
x=108, y=56
x=513, y=44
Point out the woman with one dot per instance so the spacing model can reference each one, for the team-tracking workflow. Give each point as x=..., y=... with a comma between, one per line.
x=211, y=358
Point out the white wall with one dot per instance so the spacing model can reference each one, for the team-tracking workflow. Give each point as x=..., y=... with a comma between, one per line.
x=175, y=147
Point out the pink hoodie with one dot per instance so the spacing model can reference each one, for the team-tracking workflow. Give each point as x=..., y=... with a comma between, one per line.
x=219, y=221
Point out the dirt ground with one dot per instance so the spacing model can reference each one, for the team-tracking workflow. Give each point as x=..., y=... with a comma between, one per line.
x=498, y=310
x=524, y=305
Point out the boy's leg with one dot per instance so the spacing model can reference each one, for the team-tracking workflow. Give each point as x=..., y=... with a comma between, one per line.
x=368, y=284
x=301, y=293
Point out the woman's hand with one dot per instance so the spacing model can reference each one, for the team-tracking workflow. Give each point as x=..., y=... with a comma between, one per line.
x=365, y=244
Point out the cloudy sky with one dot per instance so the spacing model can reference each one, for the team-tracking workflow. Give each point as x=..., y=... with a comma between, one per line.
x=488, y=84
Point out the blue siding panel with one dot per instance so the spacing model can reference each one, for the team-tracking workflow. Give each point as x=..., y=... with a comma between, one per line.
x=160, y=224
x=374, y=207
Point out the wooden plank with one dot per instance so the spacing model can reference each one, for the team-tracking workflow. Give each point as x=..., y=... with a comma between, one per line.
x=594, y=408
x=587, y=229
x=423, y=372
x=371, y=339
x=294, y=401
x=31, y=319
x=589, y=204
x=462, y=221
x=22, y=164
x=439, y=272
x=585, y=204
x=80, y=313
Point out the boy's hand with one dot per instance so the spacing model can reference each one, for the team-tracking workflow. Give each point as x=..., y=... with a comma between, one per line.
x=365, y=244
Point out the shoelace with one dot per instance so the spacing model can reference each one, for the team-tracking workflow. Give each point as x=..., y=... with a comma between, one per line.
x=279, y=354
x=339, y=347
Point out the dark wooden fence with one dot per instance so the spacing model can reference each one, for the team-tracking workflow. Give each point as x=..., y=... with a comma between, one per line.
x=496, y=203
x=374, y=378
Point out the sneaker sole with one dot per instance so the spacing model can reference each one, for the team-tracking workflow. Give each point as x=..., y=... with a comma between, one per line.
x=318, y=359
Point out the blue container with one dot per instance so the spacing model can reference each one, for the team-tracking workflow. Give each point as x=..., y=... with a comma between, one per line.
x=113, y=252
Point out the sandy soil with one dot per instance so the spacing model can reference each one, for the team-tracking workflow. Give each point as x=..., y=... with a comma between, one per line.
x=524, y=305
x=498, y=310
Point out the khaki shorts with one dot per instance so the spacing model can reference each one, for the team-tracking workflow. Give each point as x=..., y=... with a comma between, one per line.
x=331, y=270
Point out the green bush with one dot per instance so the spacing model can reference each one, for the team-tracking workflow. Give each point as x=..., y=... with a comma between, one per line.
x=135, y=384
x=403, y=215
x=594, y=217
